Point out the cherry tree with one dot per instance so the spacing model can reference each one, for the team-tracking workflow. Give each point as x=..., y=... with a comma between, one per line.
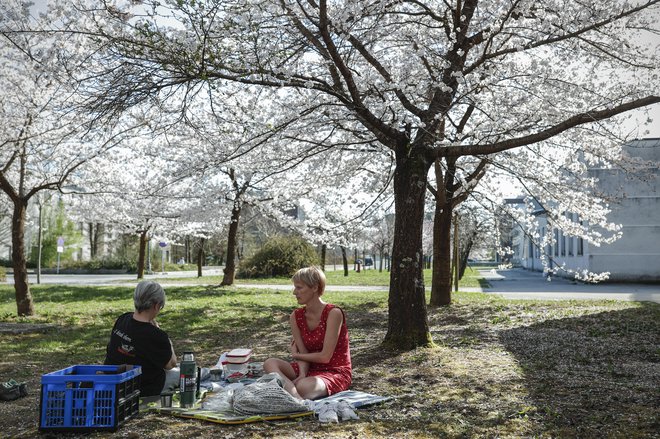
x=45, y=139
x=148, y=198
x=444, y=85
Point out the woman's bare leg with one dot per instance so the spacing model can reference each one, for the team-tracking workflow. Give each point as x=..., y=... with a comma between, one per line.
x=311, y=387
x=284, y=369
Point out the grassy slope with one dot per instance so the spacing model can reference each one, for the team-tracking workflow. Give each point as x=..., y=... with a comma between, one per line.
x=500, y=368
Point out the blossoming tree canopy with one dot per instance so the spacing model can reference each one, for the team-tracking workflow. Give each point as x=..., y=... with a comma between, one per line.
x=44, y=139
x=433, y=81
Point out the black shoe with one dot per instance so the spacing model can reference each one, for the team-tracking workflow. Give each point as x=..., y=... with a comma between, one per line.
x=10, y=391
x=22, y=389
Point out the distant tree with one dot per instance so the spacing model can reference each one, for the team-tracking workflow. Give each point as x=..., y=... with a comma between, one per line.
x=44, y=139
x=56, y=224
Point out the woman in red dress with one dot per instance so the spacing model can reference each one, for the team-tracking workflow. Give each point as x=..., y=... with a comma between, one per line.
x=320, y=347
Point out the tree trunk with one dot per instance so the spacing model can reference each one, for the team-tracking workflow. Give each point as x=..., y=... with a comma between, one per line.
x=465, y=253
x=441, y=274
x=345, y=260
x=24, y=304
x=441, y=277
x=90, y=236
x=323, y=250
x=232, y=244
x=407, y=321
x=95, y=230
x=40, y=239
x=141, y=254
x=200, y=257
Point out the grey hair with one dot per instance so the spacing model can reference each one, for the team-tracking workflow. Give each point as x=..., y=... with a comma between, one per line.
x=147, y=294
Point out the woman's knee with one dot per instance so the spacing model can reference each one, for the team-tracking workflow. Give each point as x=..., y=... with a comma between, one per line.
x=311, y=388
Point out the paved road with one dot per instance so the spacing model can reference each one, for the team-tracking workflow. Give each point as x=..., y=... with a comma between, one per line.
x=517, y=283
x=511, y=283
x=112, y=279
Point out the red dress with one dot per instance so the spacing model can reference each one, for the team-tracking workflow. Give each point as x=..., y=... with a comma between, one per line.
x=337, y=373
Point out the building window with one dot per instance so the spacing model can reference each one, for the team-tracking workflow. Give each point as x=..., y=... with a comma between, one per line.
x=563, y=244
x=556, y=244
x=537, y=249
x=580, y=244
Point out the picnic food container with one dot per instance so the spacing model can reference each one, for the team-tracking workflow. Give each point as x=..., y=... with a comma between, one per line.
x=166, y=399
x=216, y=374
x=255, y=370
x=238, y=356
x=89, y=397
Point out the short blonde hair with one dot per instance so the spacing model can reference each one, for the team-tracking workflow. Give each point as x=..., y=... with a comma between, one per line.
x=312, y=277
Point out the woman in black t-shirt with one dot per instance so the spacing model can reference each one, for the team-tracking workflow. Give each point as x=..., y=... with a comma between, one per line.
x=137, y=339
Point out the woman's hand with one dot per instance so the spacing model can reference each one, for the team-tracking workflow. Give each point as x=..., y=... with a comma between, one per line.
x=293, y=347
x=303, y=367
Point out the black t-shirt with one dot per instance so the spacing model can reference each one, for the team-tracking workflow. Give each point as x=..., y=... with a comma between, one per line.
x=142, y=344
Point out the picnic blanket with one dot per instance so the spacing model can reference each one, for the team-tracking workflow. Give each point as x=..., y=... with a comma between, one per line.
x=225, y=415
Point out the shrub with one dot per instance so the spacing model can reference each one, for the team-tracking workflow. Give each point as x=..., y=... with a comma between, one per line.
x=3, y=274
x=280, y=256
x=101, y=264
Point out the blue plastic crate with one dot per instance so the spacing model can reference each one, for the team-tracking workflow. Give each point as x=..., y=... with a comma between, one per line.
x=94, y=397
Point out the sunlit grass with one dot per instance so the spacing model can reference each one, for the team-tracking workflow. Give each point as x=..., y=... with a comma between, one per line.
x=499, y=368
x=369, y=277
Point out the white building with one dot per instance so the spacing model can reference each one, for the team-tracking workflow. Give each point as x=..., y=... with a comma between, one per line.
x=635, y=204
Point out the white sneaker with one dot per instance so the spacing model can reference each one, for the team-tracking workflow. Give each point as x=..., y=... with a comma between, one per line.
x=346, y=411
x=327, y=412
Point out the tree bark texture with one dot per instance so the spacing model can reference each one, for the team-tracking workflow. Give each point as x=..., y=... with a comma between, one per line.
x=344, y=258
x=444, y=208
x=323, y=251
x=141, y=254
x=200, y=257
x=95, y=231
x=24, y=303
x=441, y=283
x=407, y=322
x=232, y=245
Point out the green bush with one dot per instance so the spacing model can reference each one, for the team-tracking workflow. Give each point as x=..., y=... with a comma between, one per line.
x=3, y=274
x=280, y=256
x=100, y=264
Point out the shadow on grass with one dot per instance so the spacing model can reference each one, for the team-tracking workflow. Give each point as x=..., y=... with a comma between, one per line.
x=483, y=283
x=592, y=376
x=66, y=294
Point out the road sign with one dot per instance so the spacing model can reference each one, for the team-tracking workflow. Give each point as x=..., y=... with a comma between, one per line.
x=60, y=245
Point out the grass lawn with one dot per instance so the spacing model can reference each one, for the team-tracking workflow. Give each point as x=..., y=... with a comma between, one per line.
x=370, y=277
x=500, y=368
